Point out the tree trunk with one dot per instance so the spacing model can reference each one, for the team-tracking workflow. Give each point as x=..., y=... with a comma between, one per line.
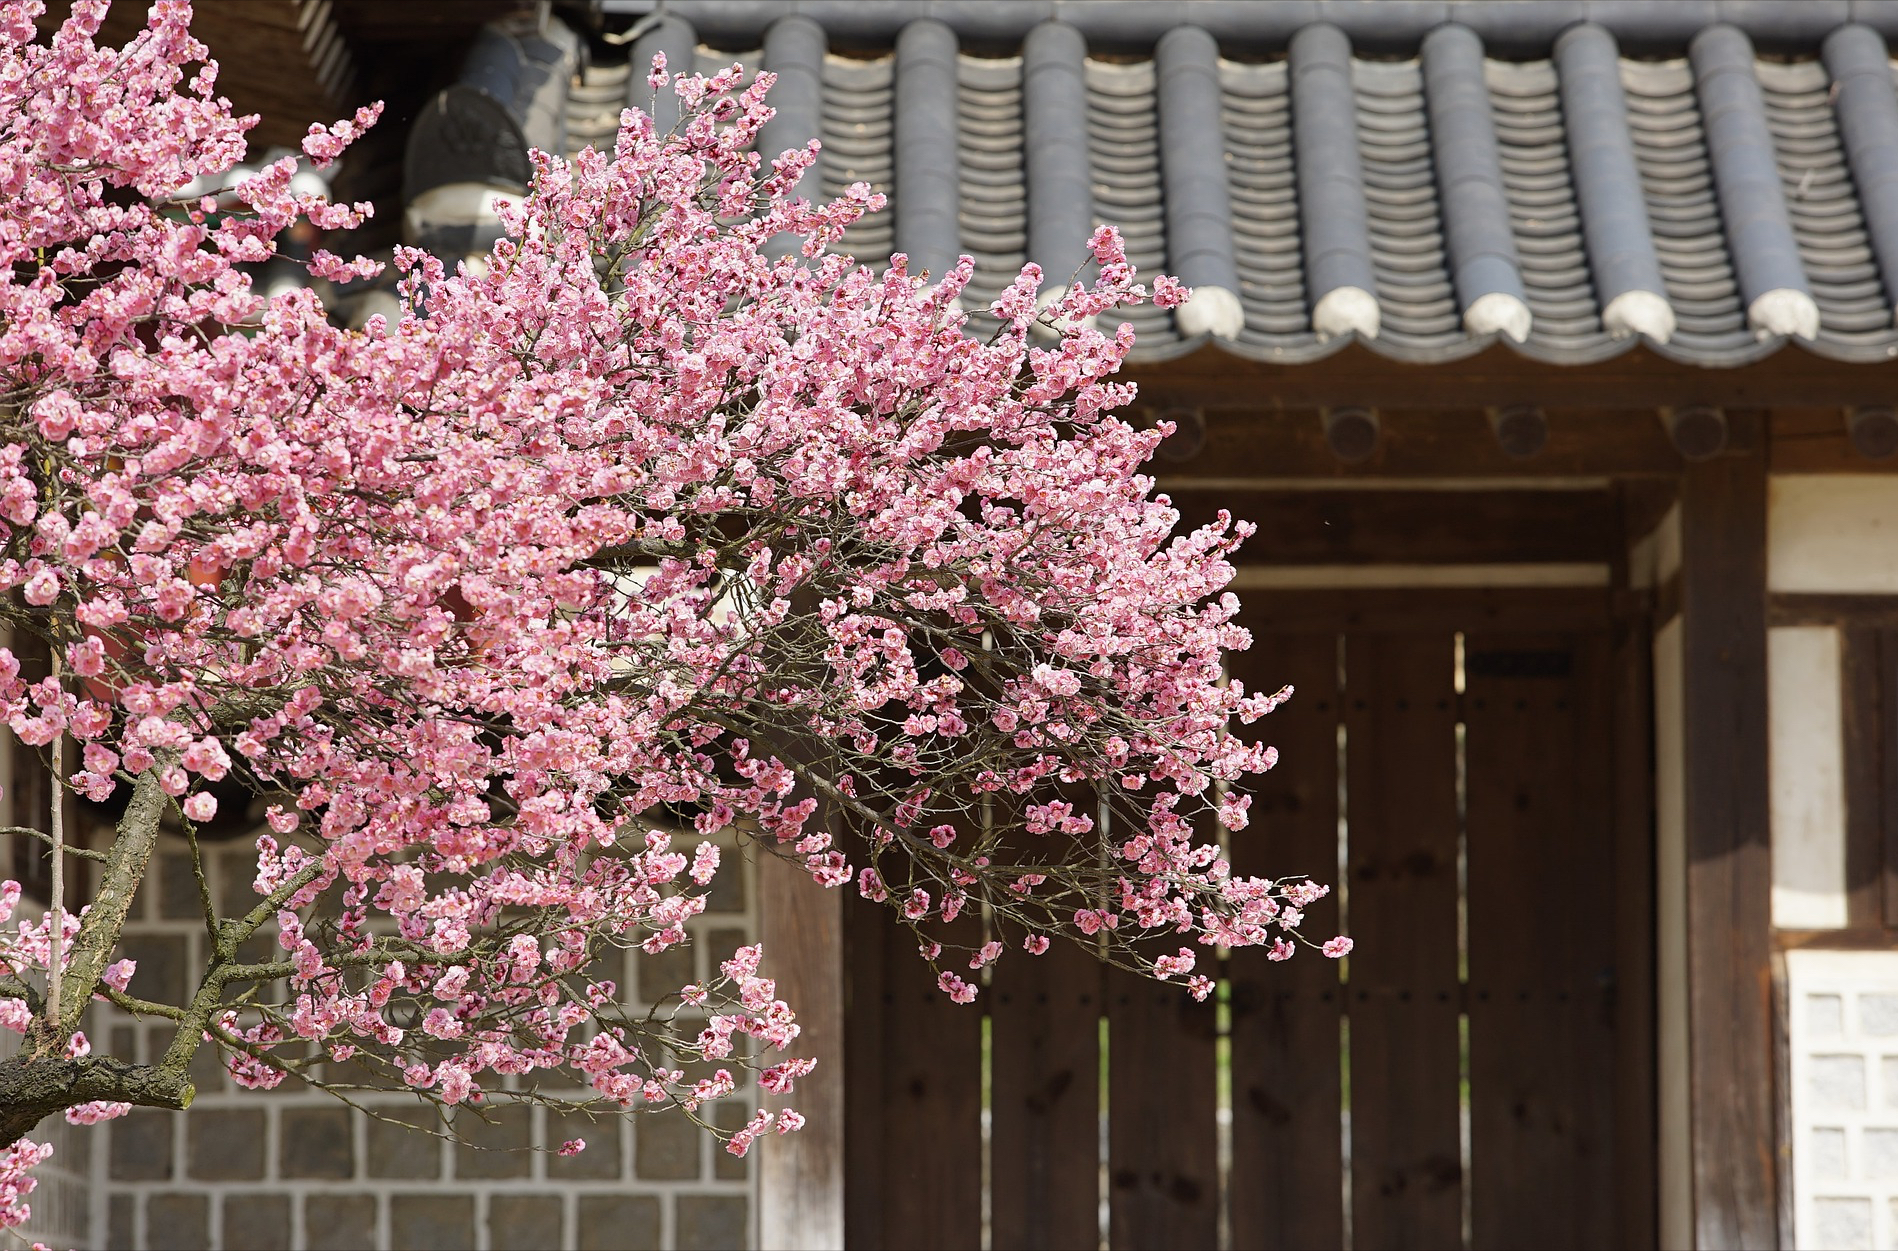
x=41, y=1080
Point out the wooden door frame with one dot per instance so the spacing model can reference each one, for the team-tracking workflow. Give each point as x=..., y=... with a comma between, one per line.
x=1731, y=1180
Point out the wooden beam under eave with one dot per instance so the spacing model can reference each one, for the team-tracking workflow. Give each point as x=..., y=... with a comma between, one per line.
x=1639, y=379
x=1734, y=1135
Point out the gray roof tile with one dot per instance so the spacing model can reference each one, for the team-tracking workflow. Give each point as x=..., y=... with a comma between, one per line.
x=1657, y=192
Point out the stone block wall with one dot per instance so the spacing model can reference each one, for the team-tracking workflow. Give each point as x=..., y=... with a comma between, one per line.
x=294, y=1168
x=1843, y=1066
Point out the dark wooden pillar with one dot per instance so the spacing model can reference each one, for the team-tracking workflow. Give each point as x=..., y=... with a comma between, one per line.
x=1729, y=992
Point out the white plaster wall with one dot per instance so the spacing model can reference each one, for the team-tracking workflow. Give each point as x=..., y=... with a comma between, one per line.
x=1832, y=532
x=1843, y=1056
x=1676, y=1149
x=1807, y=777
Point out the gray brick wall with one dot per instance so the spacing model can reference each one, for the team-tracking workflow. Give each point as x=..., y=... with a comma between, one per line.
x=294, y=1168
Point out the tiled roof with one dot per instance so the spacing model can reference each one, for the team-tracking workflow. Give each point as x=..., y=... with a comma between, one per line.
x=1719, y=203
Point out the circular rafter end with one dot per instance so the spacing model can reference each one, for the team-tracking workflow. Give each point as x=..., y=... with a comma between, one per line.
x=1698, y=431
x=1874, y=430
x=1189, y=434
x=1351, y=433
x=1521, y=429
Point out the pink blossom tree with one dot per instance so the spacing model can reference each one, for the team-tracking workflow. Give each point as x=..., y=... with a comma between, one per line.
x=628, y=537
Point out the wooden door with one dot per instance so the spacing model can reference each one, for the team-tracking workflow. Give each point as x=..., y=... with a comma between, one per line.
x=1477, y=1074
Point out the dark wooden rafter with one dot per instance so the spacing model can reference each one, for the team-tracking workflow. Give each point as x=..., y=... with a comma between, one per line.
x=1521, y=430
x=1351, y=432
x=1873, y=429
x=1698, y=431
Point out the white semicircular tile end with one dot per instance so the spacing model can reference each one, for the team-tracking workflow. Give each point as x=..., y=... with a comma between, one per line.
x=1346, y=310
x=1639, y=312
x=1498, y=313
x=1211, y=310
x=1784, y=311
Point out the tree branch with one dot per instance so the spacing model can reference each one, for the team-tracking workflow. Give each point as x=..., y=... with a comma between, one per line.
x=84, y=853
x=99, y=933
x=33, y=1089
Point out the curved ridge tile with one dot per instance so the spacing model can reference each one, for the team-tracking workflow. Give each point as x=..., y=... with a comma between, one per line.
x=1480, y=242
x=923, y=162
x=1331, y=211
x=594, y=101
x=794, y=50
x=1544, y=218
x=1193, y=176
x=859, y=139
x=1618, y=237
x=1867, y=115
x=1746, y=180
x=1670, y=153
x=674, y=36
x=1054, y=105
x=1124, y=152
x=1834, y=248
x=1255, y=119
x=1419, y=309
x=993, y=217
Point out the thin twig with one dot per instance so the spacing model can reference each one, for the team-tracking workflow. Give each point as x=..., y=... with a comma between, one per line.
x=84, y=853
x=56, y=923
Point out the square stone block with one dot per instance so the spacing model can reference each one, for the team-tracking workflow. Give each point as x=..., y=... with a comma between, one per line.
x=524, y=1222
x=1825, y=1015
x=666, y=1147
x=257, y=1222
x=225, y=1144
x=618, y=1223
x=601, y=1161
x=178, y=1221
x=496, y=1146
x=341, y=1222
x=429, y=1222
x=407, y=1149
x=315, y=1142
x=1844, y=1224
x=1878, y=1014
x=1836, y=1082
x=140, y=1149
x=710, y=1222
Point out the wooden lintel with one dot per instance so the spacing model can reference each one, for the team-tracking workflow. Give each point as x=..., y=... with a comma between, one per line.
x=1425, y=527
x=1734, y=1177
x=1638, y=380
x=1403, y=610
x=1863, y=611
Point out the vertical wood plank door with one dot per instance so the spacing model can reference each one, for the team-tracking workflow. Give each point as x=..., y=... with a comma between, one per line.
x=1541, y=906
x=1044, y=1022
x=1162, y=1136
x=1401, y=805
x=1287, y=1096
x=920, y=1111
x=1479, y=1073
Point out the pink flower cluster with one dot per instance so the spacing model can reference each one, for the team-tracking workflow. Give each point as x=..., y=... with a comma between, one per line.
x=630, y=536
